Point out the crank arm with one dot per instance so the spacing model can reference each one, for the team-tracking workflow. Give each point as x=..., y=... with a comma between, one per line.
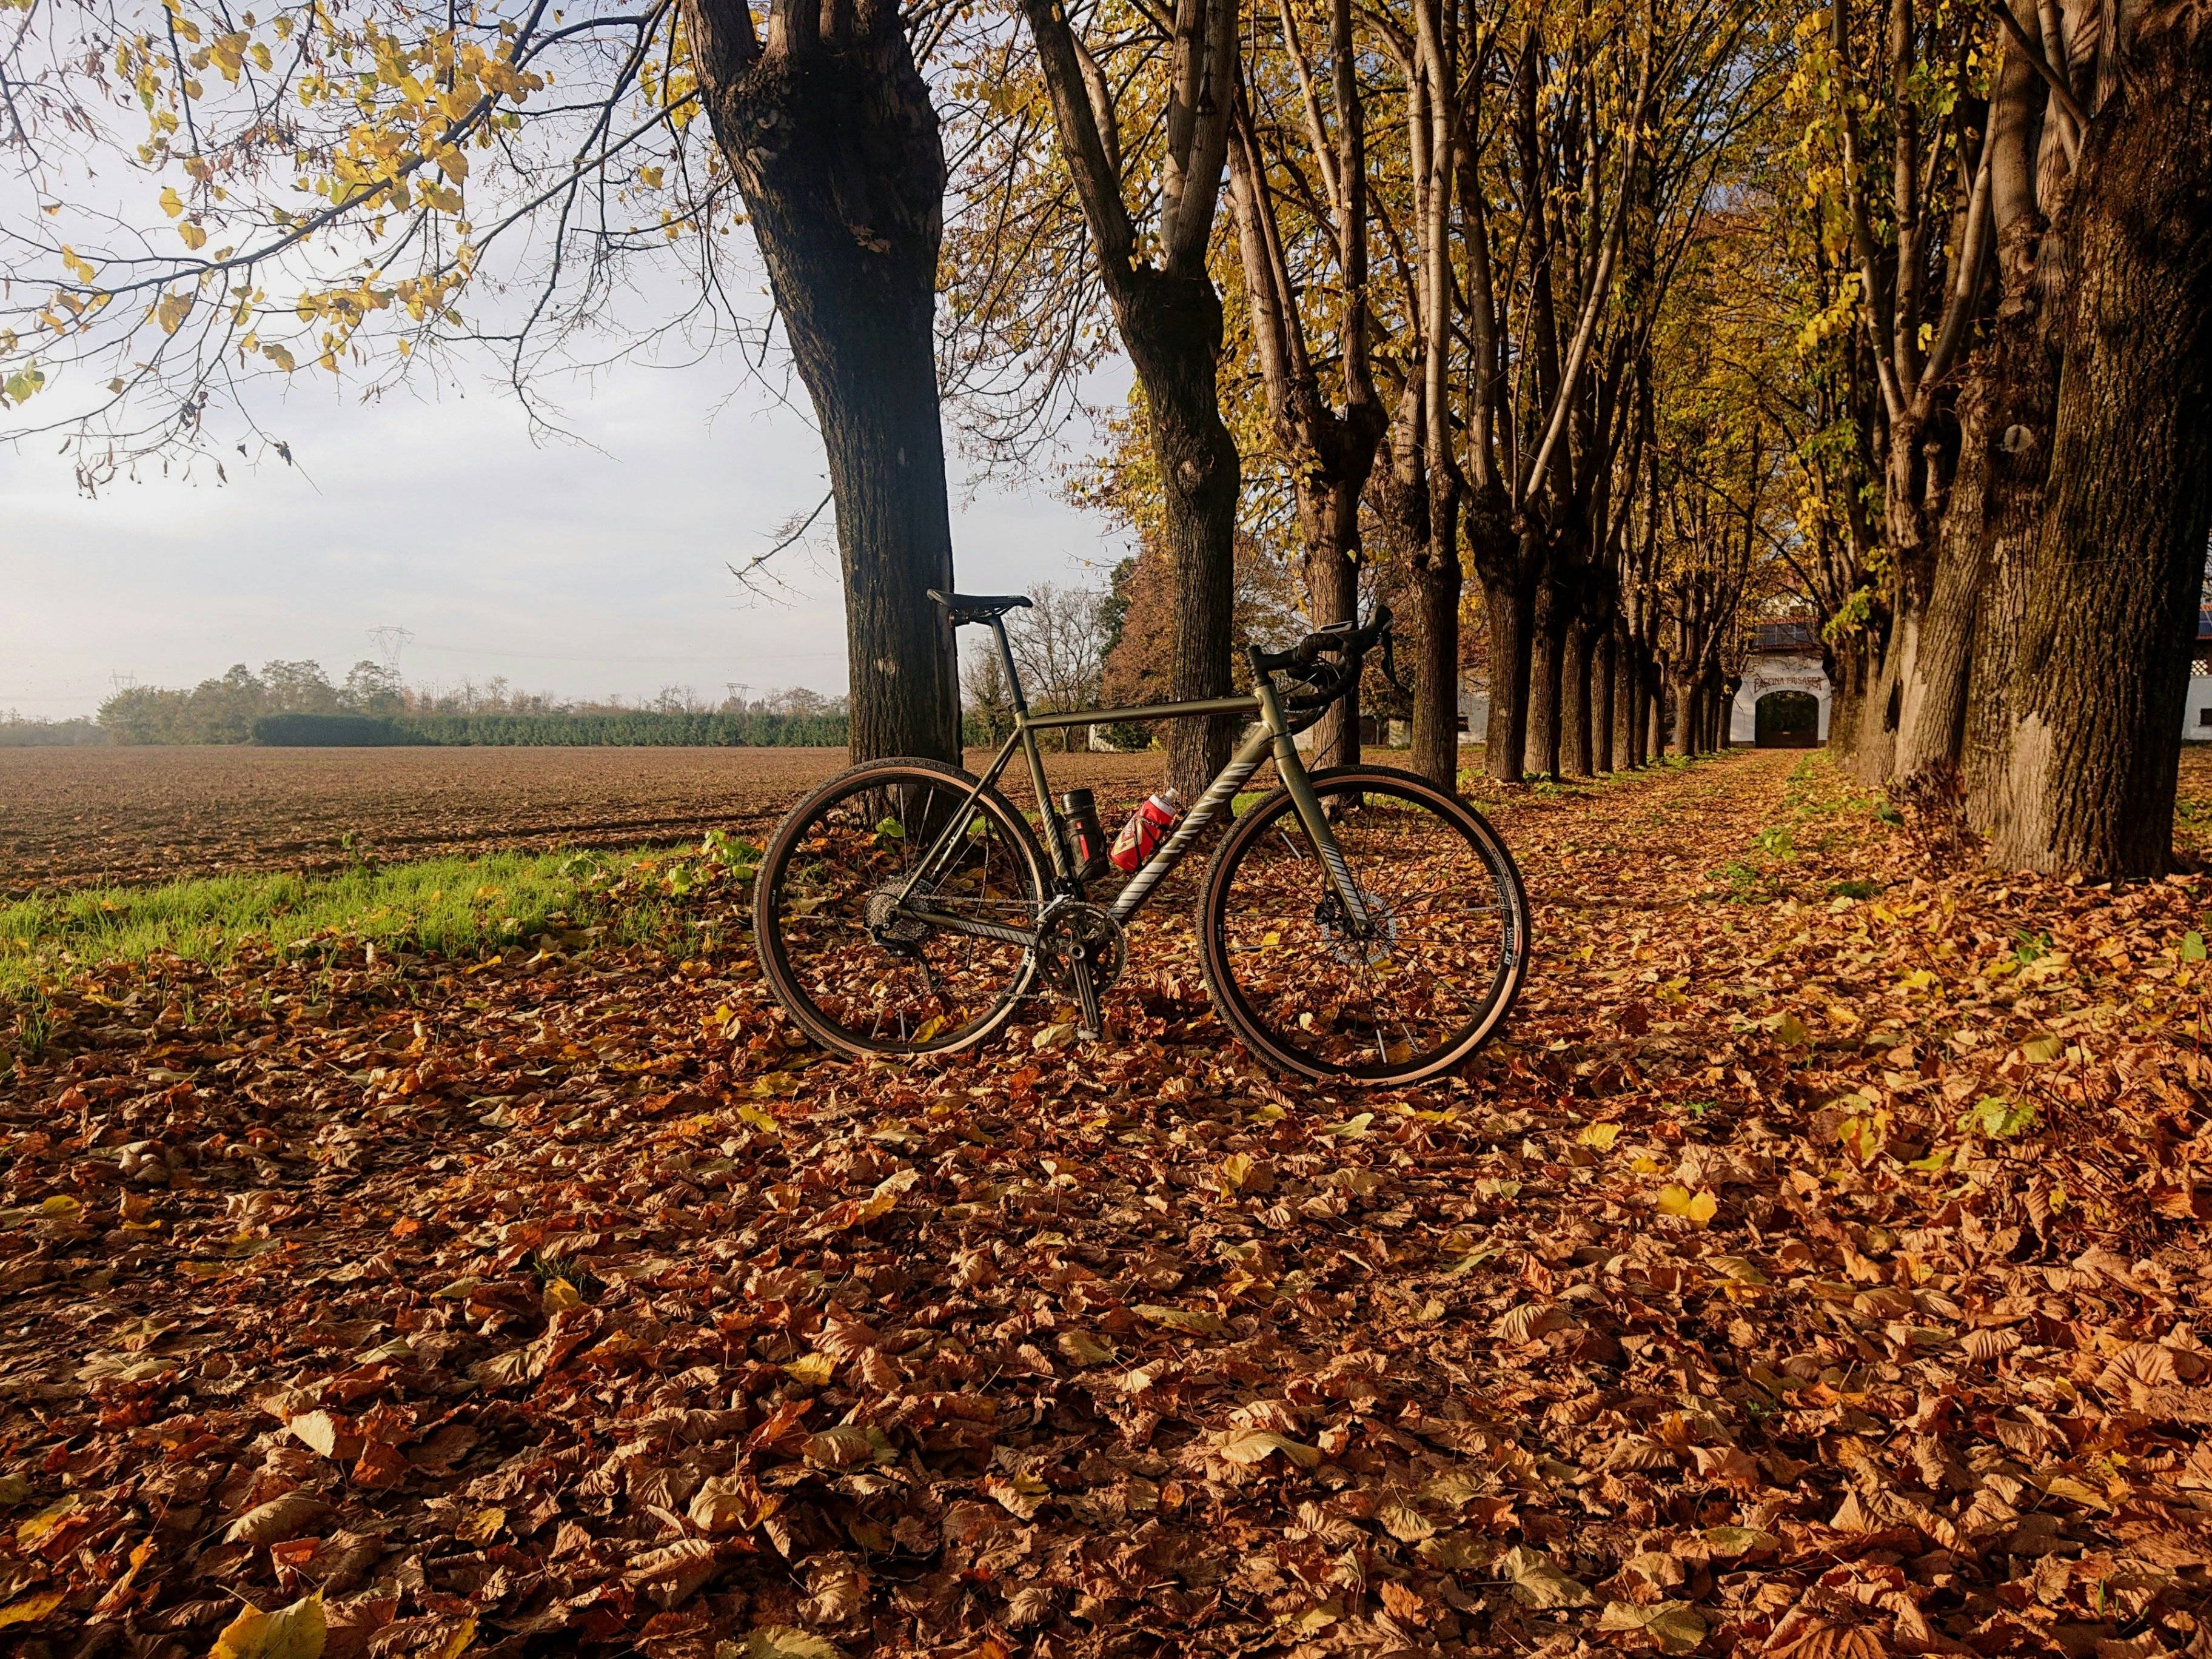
x=1086, y=994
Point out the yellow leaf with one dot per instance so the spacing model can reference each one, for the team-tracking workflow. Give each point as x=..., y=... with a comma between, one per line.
x=482, y=1526
x=1250, y=1446
x=815, y=1369
x=195, y=238
x=1674, y=1626
x=1699, y=1207
x=79, y=266
x=29, y=1533
x=1195, y=1321
x=1600, y=1135
x=782, y=1642
x=326, y=1435
x=293, y=1632
x=31, y=1609
x=172, y=203
x=1081, y=1348
x=1538, y=1581
x=561, y=1295
x=171, y=310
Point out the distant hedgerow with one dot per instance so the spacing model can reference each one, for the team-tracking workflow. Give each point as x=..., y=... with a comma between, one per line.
x=749, y=731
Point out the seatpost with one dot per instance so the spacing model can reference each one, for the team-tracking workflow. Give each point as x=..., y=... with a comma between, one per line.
x=1013, y=678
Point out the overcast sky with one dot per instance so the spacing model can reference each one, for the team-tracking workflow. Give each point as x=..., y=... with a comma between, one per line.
x=579, y=570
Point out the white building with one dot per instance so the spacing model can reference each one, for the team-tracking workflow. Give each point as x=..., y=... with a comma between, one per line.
x=1782, y=674
x=1782, y=702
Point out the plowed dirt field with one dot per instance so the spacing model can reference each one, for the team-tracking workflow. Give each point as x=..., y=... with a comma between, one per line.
x=77, y=817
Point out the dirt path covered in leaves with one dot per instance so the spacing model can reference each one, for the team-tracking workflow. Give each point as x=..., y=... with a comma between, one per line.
x=1814, y=1272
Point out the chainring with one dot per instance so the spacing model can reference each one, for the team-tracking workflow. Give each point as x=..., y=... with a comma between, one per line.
x=1086, y=930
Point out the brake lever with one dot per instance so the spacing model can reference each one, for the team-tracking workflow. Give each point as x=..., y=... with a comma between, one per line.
x=1390, y=663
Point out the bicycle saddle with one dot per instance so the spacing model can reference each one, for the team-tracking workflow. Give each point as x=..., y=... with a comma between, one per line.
x=964, y=608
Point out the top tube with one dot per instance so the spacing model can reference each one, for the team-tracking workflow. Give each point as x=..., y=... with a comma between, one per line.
x=1247, y=704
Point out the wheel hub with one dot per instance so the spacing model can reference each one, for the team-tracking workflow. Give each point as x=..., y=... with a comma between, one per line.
x=888, y=926
x=1355, y=945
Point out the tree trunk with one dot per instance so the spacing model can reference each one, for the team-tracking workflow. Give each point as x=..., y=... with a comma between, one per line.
x=835, y=146
x=1654, y=708
x=2000, y=377
x=1575, y=745
x=1510, y=609
x=1172, y=328
x=1846, y=666
x=1627, y=704
x=1435, y=752
x=2001, y=610
x=2019, y=462
x=2092, y=731
x=1600, y=701
x=1547, y=664
x=1332, y=522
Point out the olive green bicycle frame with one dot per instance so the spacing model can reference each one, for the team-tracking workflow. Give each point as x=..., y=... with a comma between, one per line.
x=1271, y=737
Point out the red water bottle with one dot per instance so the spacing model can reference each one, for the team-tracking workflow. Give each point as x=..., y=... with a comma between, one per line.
x=1148, y=826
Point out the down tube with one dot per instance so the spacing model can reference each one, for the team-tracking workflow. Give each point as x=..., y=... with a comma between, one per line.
x=1218, y=794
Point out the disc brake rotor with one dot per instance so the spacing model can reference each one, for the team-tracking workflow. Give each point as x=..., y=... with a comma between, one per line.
x=1366, y=949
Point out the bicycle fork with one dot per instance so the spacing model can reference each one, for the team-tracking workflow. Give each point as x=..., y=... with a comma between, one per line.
x=1315, y=818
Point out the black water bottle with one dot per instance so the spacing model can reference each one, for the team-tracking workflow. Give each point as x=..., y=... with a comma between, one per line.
x=1079, y=810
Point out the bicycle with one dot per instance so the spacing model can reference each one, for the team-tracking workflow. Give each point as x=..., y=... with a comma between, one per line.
x=1357, y=925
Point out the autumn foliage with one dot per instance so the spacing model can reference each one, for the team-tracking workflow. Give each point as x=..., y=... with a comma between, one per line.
x=1812, y=1275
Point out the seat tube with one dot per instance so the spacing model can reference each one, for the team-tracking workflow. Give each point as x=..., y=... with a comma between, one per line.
x=1063, y=862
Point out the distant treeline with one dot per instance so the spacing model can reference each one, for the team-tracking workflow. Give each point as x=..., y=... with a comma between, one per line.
x=639, y=727
x=17, y=732
x=296, y=703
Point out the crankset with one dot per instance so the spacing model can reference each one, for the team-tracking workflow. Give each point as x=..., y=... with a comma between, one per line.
x=1081, y=951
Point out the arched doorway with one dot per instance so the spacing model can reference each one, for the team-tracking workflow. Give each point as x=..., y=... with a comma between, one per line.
x=1787, y=720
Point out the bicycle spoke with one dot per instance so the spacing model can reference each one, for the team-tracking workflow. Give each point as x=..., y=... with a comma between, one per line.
x=1431, y=961
x=865, y=971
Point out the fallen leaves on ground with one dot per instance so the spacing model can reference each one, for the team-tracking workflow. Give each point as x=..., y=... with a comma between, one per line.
x=1813, y=1273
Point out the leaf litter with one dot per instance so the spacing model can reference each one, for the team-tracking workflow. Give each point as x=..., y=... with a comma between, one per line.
x=1814, y=1273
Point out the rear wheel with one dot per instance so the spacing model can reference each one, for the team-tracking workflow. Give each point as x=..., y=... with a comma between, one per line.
x=1421, y=986
x=848, y=962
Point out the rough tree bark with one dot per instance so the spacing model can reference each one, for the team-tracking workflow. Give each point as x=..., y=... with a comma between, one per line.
x=1575, y=745
x=830, y=133
x=2003, y=379
x=1602, y=700
x=2093, y=723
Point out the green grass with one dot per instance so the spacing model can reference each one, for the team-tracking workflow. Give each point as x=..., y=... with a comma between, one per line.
x=455, y=906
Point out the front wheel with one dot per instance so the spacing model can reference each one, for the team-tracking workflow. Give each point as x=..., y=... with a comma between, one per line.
x=1420, y=986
